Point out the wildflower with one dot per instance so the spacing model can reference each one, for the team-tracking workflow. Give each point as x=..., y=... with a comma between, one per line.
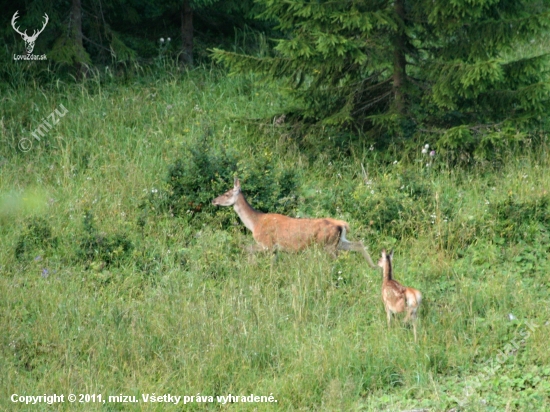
x=154, y=190
x=168, y=39
x=45, y=273
x=162, y=39
x=424, y=151
x=38, y=258
x=395, y=162
x=427, y=146
x=432, y=153
x=371, y=148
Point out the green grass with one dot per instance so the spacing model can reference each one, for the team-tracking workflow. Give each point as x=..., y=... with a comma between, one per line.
x=187, y=311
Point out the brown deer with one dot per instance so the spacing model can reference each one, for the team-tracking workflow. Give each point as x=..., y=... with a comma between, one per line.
x=398, y=298
x=273, y=231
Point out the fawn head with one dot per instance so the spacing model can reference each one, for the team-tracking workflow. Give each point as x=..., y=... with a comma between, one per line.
x=385, y=257
x=230, y=197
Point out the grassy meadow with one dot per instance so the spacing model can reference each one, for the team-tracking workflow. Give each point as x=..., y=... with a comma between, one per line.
x=110, y=286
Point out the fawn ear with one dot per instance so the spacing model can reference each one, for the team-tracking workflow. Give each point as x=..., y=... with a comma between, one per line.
x=383, y=253
x=391, y=254
x=237, y=184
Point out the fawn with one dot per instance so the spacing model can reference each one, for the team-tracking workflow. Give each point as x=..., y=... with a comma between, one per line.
x=398, y=298
x=273, y=231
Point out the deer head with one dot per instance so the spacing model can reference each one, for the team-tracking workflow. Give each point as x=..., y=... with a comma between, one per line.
x=29, y=40
x=230, y=197
x=385, y=257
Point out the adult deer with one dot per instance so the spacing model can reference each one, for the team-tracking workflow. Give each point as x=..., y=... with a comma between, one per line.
x=29, y=40
x=273, y=231
x=397, y=298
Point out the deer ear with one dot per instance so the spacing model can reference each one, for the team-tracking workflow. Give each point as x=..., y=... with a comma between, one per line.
x=391, y=254
x=383, y=252
x=237, y=184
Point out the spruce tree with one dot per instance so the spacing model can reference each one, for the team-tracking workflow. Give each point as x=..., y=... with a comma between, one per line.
x=465, y=70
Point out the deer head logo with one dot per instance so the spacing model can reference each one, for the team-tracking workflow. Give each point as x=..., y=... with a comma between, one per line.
x=29, y=40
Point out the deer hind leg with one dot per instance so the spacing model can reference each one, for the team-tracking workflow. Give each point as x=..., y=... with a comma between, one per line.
x=411, y=316
x=332, y=250
x=345, y=244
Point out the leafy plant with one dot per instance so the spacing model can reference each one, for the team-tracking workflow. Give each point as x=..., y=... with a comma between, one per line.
x=35, y=237
x=102, y=248
x=515, y=219
x=204, y=172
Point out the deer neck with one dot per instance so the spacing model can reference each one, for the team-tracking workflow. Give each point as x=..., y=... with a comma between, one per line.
x=248, y=215
x=387, y=270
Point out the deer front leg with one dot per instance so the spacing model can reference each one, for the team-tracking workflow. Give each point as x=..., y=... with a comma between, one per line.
x=254, y=248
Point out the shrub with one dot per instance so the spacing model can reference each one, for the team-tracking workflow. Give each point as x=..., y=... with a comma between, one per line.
x=517, y=220
x=205, y=172
x=101, y=247
x=388, y=209
x=36, y=237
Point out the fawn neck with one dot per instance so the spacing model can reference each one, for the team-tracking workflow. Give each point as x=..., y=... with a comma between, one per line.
x=248, y=215
x=387, y=270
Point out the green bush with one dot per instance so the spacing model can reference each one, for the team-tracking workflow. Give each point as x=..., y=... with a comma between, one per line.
x=204, y=172
x=521, y=220
x=102, y=248
x=35, y=238
x=388, y=209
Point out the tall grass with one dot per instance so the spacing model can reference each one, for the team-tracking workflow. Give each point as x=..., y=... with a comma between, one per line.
x=187, y=311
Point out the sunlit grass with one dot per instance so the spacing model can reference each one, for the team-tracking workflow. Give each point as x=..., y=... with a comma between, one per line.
x=191, y=312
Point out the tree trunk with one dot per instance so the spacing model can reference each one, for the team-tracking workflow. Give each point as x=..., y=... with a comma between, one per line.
x=399, y=60
x=187, y=33
x=76, y=37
